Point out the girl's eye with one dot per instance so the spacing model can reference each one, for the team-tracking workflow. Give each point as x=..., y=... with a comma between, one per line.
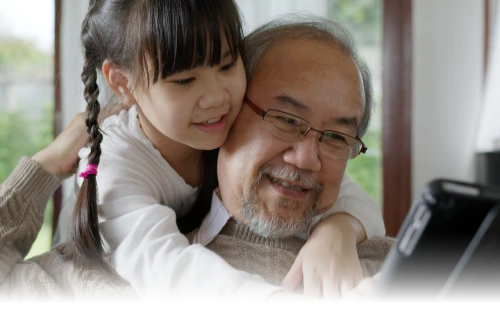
x=184, y=82
x=227, y=67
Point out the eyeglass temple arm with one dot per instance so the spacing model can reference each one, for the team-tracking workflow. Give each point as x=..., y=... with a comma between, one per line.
x=255, y=108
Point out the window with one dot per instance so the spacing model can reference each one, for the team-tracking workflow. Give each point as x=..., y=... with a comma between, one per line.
x=26, y=89
x=364, y=19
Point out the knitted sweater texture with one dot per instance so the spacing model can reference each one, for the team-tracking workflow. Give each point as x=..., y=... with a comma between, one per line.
x=273, y=258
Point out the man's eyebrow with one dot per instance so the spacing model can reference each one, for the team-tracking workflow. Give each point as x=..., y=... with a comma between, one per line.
x=347, y=121
x=292, y=102
x=343, y=121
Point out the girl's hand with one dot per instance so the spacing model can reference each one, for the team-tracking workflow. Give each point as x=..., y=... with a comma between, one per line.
x=328, y=264
x=363, y=290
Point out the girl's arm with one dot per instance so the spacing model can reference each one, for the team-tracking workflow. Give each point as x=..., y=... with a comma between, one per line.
x=146, y=246
x=148, y=250
x=328, y=264
x=355, y=201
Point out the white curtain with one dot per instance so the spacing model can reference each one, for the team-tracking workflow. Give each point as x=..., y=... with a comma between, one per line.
x=257, y=12
x=488, y=137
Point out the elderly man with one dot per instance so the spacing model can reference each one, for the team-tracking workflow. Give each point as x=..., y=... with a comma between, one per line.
x=308, y=101
x=278, y=170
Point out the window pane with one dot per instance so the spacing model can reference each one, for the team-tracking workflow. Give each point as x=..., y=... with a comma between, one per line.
x=26, y=88
x=364, y=19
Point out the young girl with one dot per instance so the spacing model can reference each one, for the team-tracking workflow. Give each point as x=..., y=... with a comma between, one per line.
x=178, y=63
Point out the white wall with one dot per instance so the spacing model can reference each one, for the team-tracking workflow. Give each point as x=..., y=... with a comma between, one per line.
x=488, y=138
x=448, y=46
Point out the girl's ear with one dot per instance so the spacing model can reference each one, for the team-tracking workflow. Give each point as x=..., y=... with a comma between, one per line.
x=118, y=81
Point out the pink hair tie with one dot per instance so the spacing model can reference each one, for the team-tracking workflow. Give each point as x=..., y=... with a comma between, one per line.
x=90, y=169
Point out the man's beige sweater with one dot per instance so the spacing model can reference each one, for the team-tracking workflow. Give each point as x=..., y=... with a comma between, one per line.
x=23, y=197
x=273, y=258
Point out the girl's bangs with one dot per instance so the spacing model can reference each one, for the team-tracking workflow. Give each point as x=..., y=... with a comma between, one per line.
x=186, y=34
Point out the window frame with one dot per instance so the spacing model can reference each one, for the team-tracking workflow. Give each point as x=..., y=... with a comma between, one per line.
x=58, y=196
x=396, y=117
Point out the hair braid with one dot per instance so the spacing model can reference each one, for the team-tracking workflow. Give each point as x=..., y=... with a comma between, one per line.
x=86, y=245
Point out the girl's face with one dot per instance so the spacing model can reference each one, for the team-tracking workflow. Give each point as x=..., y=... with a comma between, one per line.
x=196, y=107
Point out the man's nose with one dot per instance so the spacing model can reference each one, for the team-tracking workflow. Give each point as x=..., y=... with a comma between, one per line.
x=214, y=94
x=304, y=153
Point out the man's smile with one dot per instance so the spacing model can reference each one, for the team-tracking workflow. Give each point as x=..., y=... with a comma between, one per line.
x=287, y=189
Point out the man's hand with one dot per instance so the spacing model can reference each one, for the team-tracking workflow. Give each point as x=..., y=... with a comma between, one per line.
x=61, y=156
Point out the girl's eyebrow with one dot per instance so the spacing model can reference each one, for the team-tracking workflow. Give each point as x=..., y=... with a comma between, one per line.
x=226, y=54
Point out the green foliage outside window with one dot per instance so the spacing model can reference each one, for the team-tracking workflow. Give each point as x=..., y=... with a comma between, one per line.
x=367, y=168
x=20, y=57
x=363, y=18
x=24, y=129
x=23, y=135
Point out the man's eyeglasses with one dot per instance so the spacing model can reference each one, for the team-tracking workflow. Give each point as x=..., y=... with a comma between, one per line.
x=335, y=145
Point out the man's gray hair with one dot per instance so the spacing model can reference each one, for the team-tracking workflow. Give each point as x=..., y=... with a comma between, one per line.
x=293, y=26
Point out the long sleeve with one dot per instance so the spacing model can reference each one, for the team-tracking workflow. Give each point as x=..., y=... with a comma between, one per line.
x=139, y=198
x=23, y=197
x=355, y=201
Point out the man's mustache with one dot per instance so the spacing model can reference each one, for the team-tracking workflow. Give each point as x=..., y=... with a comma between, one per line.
x=301, y=177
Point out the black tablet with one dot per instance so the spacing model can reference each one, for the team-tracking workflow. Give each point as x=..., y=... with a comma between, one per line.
x=436, y=233
x=477, y=274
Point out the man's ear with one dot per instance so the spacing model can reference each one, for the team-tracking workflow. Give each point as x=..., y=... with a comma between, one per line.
x=118, y=81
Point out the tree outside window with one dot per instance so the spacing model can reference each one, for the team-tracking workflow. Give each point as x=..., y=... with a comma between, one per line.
x=26, y=89
x=364, y=19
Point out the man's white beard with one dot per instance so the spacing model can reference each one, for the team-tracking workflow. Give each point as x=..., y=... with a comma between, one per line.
x=269, y=225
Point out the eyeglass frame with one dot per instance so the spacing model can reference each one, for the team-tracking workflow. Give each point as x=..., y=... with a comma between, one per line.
x=261, y=112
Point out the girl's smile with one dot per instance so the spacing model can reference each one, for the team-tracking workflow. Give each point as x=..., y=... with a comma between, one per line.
x=214, y=125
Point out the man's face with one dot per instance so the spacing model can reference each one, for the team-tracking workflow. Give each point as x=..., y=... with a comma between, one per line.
x=264, y=178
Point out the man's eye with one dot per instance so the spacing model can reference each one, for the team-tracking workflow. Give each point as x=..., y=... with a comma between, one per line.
x=334, y=137
x=289, y=121
x=184, y=82
x=228, y=67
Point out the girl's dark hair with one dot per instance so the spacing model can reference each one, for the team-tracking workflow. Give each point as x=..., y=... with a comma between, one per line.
x=201, y=206
x=151, y=39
